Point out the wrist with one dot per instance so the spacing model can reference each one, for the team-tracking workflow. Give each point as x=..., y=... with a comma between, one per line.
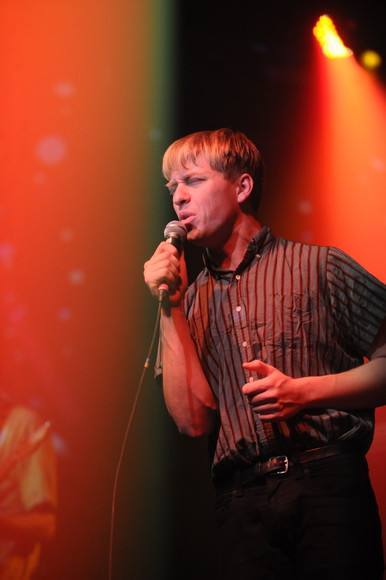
x=173, y=311
x=317, y=390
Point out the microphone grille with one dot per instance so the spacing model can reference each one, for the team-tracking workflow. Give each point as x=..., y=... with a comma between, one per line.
x=175, y=229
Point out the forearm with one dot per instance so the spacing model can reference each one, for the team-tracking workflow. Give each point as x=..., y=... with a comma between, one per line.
x=277, y=397
x=362, y=387
x=188, y=396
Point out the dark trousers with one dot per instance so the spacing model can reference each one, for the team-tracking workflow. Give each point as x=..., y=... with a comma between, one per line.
x=317, y=522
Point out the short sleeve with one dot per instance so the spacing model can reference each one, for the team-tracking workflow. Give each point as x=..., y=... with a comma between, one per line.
x=358, y=300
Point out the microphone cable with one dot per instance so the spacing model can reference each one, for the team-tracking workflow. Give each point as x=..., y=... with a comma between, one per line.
x=126, y=435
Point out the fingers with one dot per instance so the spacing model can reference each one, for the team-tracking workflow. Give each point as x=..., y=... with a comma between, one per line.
x=261, y=368
x=163, y=267
x=167, y=266
x=275, y=396
x=259, y=393
x=262, y=402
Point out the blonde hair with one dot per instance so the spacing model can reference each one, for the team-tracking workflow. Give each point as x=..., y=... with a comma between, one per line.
x=227, y=151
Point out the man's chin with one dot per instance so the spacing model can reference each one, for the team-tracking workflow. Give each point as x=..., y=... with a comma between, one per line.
x=195, y=237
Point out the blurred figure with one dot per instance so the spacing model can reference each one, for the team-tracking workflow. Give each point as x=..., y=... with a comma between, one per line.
x=28, y=490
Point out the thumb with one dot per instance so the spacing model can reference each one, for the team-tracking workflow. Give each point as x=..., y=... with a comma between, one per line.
x=259, y=366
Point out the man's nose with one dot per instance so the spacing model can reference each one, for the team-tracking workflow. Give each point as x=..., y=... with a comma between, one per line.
x=181, y=194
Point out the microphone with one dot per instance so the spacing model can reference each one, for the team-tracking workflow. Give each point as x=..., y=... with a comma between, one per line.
x=175, y=233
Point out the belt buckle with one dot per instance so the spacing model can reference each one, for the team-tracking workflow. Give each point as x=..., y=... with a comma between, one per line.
x=282, y=470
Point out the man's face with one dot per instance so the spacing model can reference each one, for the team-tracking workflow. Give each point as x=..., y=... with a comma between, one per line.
x=205, y=202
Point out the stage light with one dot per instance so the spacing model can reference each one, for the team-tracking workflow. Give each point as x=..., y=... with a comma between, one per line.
x=329, y=39
x=370, y=59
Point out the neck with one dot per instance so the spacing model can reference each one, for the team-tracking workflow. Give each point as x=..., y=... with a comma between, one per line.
x=231, y=253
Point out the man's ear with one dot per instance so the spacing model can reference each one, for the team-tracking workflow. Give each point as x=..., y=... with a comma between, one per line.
x=245, y=187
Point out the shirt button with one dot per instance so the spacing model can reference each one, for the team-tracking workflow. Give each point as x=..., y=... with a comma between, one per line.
x=237, y=276
x=251, y=379
x=245, y=344
x=238, y=308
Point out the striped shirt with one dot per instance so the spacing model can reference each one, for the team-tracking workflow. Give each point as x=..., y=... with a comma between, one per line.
x=307, y=310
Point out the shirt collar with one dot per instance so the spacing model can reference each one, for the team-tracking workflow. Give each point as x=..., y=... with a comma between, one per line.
x=256, y=247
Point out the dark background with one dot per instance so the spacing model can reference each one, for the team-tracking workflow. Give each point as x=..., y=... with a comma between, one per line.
x=251, y=66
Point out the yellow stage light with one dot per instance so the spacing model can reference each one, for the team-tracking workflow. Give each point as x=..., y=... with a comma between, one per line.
x=370, y=59
x=329, y=39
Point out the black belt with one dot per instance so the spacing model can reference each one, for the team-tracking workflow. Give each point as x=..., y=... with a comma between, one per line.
x=280, y=465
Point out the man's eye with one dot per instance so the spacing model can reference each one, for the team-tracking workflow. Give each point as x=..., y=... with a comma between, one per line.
x=195, y=180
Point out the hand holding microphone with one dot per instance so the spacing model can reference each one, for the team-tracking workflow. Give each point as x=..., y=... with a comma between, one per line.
x=175, y=233
x=163, y=268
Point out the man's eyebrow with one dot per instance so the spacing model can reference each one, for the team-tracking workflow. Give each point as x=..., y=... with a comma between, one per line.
x=182, y=177
x=174, y=182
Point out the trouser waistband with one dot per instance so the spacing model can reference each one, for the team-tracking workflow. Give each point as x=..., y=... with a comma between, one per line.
x=279, y=465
